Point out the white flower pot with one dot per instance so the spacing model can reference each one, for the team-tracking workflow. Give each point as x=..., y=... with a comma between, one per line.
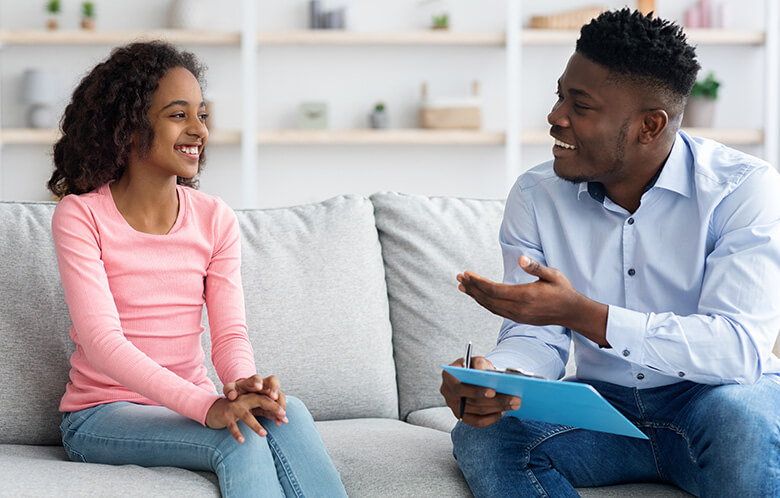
x=190, y=14
x=699, y=113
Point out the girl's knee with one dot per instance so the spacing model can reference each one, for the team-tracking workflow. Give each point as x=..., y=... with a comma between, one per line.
x=295, y=409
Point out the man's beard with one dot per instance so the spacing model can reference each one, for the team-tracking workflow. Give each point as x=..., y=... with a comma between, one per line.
x=617, y=161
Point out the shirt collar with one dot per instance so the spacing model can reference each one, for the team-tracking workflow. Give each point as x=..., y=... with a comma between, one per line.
x=674, y=175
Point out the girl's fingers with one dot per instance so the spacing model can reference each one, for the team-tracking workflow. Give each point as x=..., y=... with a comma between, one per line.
x=233, y=428
x=253, y=424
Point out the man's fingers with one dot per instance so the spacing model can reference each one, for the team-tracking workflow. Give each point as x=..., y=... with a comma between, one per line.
x=533, y=267
x=501, y=403
x=481, y=363
x=482, y=421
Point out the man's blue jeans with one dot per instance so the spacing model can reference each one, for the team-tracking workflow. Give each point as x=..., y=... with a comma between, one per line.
x=290, y=461
x=708, y=440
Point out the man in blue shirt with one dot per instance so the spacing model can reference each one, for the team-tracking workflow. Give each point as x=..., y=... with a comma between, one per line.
x=657, y=255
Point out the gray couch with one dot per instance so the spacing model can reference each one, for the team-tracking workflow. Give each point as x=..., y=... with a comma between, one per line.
x=351, y=302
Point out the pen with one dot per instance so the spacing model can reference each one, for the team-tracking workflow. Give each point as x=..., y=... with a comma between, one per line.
x=466, y=364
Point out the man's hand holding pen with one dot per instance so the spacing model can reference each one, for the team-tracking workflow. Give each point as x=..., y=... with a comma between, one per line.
x=483, y=406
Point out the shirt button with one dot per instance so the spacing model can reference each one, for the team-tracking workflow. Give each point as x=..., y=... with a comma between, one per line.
x=626, y=352
x=631, y=221
x=631, y=272
x=681, y=374
x=640, y=376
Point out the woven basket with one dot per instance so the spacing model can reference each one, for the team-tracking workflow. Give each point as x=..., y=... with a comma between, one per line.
x=573, y=19
x=451, y=118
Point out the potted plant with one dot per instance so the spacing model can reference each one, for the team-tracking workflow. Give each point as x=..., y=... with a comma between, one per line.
x=700, y=109
x=379, y=117
x=88, y=15
x=54, y=8
x=441, y=21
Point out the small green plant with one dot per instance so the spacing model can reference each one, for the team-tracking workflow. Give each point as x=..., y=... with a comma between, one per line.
x=379, y=107
x=53, y=7
x=441, y=22
x=707, y=88
x=88, y=10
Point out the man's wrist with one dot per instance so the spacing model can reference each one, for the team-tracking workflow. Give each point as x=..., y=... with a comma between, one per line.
x=588, y=318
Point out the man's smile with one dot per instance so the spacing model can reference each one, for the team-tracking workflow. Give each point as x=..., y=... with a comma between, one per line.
x=560, y=143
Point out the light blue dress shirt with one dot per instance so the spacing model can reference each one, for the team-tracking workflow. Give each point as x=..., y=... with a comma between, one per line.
x=692, y=277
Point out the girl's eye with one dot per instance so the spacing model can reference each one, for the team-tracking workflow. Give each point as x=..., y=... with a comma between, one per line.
x=178, y=115
x=203, y=116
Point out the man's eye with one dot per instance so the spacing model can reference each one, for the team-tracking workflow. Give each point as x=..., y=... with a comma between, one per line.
x=581, y=107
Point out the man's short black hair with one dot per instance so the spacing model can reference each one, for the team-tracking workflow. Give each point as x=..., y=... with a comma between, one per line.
x=648, y=51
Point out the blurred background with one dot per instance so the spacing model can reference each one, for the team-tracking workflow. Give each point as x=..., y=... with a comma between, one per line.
x=312, y=99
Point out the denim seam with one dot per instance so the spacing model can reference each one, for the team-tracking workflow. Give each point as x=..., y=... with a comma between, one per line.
x=285, y=465
x=536, y=442
x=70, y=451
x=651, y=436
x=677, y=429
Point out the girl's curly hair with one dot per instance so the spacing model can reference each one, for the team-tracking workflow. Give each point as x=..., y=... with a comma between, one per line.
x=108, y=107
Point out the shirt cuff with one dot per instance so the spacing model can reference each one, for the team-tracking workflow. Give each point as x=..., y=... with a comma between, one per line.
x=626, y=333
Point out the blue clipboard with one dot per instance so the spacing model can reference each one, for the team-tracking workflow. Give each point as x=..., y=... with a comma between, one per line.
x=555, y=401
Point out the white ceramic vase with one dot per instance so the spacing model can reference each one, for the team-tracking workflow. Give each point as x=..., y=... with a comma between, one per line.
x=699, y=113
x=189, y=14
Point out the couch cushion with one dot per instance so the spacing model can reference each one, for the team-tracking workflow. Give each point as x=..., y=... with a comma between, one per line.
x=46, y=471
x=378, y=458
x=426, y=241
x=316, y=306
x=34, y=326
x=372, y=456
x=440, y=418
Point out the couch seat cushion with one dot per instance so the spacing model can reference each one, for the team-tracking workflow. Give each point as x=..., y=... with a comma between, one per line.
x=390, y=458
x=46, y=471
x=438, y=417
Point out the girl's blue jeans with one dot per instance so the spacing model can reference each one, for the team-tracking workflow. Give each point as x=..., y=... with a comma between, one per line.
x=708, y=440
x=290, y=461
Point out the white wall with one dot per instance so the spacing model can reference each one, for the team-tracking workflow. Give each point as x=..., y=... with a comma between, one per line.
x=351, y=79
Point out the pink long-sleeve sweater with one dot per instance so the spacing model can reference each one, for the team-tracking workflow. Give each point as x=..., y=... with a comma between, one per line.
x=136, y=299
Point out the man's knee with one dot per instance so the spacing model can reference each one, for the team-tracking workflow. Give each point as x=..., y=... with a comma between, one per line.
x=738, y=437
x=744, y=414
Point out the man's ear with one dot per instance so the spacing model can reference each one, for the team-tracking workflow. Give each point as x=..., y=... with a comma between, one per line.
x=654, y=122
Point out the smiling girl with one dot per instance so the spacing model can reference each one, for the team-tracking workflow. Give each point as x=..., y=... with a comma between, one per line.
x=140, y=251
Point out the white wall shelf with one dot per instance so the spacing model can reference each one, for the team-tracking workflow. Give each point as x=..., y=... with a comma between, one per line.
x=85, y=37
x=380, y=137
x=34, y=136
x=339, y=37
x=695, y=36
x=423, y=37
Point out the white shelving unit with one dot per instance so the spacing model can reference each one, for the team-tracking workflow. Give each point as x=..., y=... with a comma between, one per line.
x=514, y=40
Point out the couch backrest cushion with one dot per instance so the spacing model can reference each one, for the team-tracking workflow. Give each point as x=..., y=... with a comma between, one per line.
x=316, y=305
x=426, y=242
x=34, y=343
